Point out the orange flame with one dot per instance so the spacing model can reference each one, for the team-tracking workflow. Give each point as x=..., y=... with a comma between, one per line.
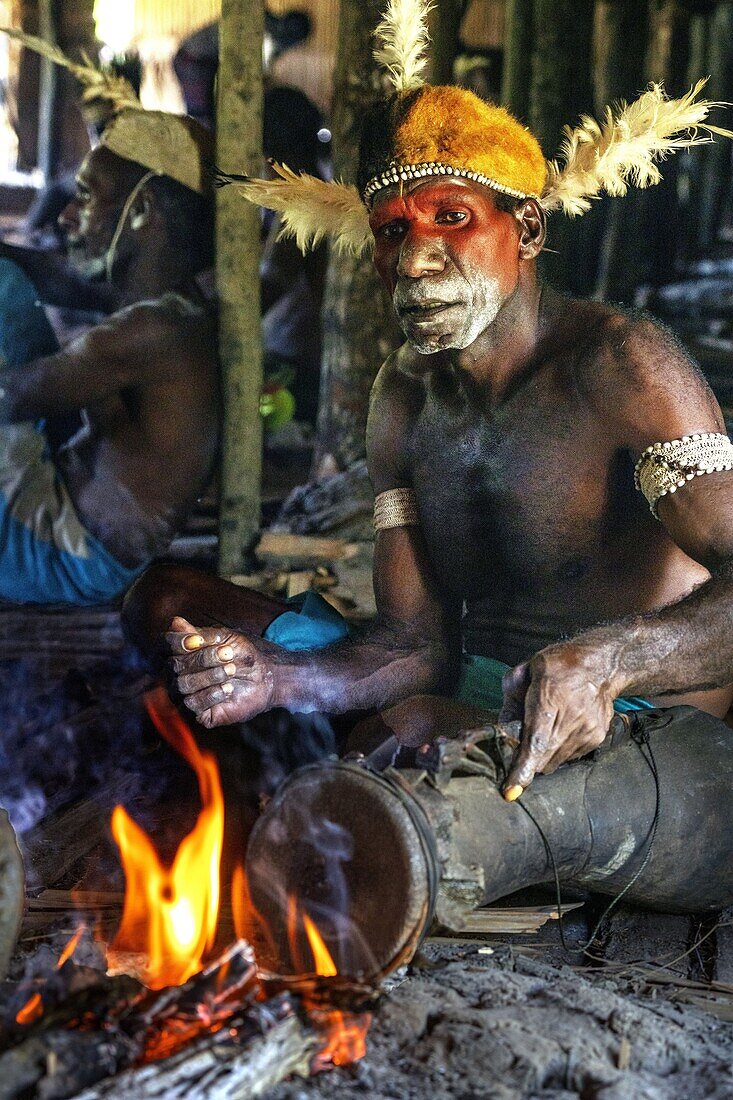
x=71, y=946
x=345, y=1032
x=170, y=914
x=32, y=1010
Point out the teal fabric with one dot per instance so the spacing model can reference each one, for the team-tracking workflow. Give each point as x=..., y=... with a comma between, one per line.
x=25, y=333
x=480, y=682
x=481, y=678
x=313, y=624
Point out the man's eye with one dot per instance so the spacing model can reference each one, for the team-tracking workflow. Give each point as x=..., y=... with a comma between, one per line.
x=391, y=231
x=450, y=217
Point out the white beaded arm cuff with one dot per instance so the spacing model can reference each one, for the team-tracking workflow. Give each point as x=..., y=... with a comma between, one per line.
x=395, y=508
x=665, y=467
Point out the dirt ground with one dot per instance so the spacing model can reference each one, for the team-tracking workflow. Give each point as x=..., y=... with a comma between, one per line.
x=476, y=1026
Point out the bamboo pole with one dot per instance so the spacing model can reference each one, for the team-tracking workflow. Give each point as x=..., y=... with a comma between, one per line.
x=239, y=149
x=47, y=95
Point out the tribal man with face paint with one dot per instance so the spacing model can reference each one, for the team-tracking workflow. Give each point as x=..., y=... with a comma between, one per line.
x=507, y=440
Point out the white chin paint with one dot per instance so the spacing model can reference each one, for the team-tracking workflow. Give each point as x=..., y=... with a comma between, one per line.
x=92, y=268
x=481, y=299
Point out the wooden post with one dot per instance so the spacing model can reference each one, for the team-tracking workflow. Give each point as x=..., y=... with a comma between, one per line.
x=619, y=44
x=445, y=32
x=47, y=94
x=642, y=241
x=359, y=326
x=667, y=60
x=715, y=160
x=561, y=91
x=620, y=39
x=517, y=71
x=239, y=149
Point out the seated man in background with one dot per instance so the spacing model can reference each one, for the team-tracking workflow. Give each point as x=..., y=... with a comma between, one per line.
x=78, y=525
x=507, y=441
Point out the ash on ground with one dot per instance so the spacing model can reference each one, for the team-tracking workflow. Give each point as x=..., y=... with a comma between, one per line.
x=469, y=1025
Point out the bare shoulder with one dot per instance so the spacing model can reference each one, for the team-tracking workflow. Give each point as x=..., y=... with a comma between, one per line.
x=399, y=385
x=169, y=330
x=639, y=378
x=169, y=317
x=395, y=401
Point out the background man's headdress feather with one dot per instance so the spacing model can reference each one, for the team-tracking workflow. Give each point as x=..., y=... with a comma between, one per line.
x=98, y=84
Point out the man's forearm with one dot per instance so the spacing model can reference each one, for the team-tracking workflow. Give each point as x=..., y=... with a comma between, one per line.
x=362, y=675
x=57, y=283
x=685, y=646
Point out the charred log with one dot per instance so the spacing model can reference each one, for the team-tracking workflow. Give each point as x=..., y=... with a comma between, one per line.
x=207, y=1035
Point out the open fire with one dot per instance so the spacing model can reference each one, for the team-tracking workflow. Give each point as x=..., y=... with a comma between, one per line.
x=168, y=930
x=170, y=916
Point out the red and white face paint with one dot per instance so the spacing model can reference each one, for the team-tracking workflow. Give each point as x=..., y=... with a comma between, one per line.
x=449, y=258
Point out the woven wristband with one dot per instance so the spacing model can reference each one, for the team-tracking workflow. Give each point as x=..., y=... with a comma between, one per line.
x=395, y=508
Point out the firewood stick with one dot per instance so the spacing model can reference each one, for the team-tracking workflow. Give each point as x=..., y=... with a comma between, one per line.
x=218, y=1067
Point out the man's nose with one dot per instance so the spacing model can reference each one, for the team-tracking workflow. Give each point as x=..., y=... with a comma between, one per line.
x=68, y=219
x=420, y=255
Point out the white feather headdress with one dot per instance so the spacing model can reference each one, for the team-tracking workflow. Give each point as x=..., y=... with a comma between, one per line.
x=104, y=92
x=625, y=148
x=402, y=41
x=311, y=208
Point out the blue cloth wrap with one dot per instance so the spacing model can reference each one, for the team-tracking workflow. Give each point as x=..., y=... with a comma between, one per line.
x=314, y=624
x=46, y=555
x=311, y=624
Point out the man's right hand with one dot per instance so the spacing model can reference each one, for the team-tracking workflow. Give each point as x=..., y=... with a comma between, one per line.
x=222, y=676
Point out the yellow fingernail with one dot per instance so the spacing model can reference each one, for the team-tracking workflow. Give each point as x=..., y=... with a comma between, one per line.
x=227, y=688
x=226, y=653
x=192, y=641
x=511, y=794
x=230, y=669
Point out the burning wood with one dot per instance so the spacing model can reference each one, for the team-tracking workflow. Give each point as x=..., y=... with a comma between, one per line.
x=244, y=1060
x=213, y=1022
x=188, y=1025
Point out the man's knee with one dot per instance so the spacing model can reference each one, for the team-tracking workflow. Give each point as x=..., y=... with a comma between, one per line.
x=154, y=599
x=419, y=719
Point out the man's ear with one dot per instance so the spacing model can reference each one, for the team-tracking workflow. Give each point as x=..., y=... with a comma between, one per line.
x=532, y=228
x=142, y=209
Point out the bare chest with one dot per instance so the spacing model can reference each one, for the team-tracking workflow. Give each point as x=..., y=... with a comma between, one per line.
x=532, y=493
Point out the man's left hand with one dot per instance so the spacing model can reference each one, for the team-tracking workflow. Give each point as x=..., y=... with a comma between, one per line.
x=564, y=699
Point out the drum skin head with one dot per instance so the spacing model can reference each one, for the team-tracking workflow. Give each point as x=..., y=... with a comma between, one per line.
x=352, y=850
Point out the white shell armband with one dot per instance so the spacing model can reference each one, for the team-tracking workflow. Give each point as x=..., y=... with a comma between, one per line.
x=665, y=467
x=395, y=508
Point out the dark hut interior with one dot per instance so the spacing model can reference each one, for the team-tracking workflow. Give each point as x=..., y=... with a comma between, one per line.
x=273, y=907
